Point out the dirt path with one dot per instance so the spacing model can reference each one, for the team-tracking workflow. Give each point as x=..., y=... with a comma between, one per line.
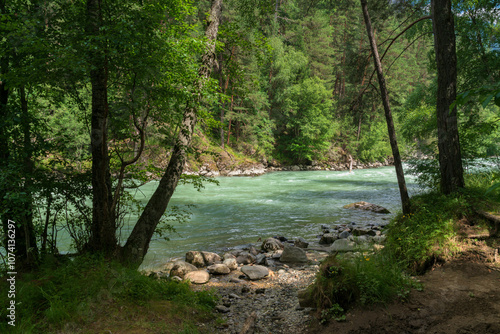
x=459, y=297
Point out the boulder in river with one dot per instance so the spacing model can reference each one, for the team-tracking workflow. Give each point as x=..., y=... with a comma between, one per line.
x=367, y=207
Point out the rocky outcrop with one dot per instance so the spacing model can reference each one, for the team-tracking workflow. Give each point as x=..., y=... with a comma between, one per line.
x=367, y=207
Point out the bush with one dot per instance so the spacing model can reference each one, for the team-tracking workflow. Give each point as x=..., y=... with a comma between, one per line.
x=366, y=279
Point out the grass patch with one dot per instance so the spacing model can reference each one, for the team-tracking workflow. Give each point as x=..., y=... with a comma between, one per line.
x=365, y=279
x=93, y=295
x=432, y=231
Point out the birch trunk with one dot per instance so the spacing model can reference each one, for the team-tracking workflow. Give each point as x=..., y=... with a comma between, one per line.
x=405, y=199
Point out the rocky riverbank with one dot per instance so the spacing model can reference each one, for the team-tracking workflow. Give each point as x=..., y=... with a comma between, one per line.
x=224, y=167
x=258, y=284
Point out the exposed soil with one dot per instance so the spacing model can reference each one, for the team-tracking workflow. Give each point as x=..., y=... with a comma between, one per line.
x=461, y=296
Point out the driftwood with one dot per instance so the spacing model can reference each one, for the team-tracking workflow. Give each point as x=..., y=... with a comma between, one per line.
x=492, y=218
x=248, y=326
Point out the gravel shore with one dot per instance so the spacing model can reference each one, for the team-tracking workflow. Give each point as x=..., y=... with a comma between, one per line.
x=268, y=305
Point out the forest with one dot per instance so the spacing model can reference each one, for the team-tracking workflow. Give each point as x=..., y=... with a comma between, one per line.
x=98, y=97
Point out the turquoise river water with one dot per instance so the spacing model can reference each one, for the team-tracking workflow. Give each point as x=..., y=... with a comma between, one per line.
x=292, y=204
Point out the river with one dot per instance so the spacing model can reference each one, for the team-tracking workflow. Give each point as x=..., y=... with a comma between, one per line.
x=240, y=210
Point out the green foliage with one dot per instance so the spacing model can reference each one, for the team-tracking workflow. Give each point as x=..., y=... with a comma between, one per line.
x=419, y=238
x=365, y=279
x=70, y=290
x=374, y=144
x=309, y=129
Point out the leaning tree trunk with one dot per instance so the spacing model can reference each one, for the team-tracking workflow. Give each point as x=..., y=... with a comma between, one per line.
x=103, y=229
x=450, y=159
x=405, y=199
x=138, y=242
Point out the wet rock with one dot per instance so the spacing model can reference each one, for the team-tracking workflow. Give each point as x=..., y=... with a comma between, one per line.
x=181, y=268
x=271, y=244
x=293, y=255
x=197, y=277
x=255, y=272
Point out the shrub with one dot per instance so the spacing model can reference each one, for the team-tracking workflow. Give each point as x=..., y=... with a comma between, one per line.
x=365, y=279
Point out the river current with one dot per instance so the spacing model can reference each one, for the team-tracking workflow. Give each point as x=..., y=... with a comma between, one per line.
x=240, y=210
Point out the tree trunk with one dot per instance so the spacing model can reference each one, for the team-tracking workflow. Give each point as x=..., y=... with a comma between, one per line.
x=405, y=199
x=103, y=230
x=138, y=242
x=4, y=142
x=450, y=159
x=26, y=246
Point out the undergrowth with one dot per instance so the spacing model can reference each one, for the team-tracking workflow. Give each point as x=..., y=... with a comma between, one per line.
x=78, y=291
x=366, y=279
